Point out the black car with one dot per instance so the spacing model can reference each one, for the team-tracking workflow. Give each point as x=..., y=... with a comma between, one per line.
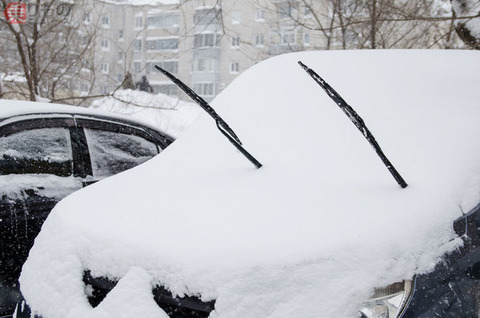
x=320, y=230
x=47, y=152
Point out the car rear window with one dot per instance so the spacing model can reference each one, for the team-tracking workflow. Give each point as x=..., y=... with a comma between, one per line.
x=37, y=151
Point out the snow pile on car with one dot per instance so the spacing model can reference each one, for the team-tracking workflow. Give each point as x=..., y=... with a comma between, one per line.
x=168, y=114
x=312, y=232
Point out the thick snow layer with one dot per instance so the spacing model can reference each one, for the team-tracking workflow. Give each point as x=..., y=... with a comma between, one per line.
x=168, y=114
x=10, y=108
x=313, y=231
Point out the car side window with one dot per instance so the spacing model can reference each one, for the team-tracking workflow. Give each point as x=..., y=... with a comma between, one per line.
x=37, y=151
x=112, y=152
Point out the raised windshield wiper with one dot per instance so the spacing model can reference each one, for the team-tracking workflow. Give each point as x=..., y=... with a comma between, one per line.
x=221, y=124
x=357, y=120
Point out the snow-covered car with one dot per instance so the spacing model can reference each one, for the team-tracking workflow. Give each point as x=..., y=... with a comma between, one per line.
x=48, y=151
x=320, y=230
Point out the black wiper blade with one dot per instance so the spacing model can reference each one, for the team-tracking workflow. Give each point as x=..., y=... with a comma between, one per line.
x=221, y=124
x=357, y=121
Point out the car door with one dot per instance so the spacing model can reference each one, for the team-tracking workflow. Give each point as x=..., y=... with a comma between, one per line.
x=37, y=169
x=116, y=146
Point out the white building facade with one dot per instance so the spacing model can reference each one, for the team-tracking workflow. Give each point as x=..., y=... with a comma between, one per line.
x=204, y=45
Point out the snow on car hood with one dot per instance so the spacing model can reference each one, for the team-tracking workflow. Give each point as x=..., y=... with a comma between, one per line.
x=313, y=231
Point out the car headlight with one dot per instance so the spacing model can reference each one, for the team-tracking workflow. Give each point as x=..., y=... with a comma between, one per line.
x=388, y=302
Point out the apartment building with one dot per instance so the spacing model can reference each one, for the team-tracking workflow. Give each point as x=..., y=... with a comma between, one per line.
x=203, y=44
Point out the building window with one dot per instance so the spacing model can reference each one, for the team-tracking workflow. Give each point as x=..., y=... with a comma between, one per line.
x=287, y=37
x=208, y=16
x=169, y=66
x=137, y=67
x=105, y=44
x=138, y=22
x=204, y=89
x=162, y=44
x=236, y=17
x=86, y=17
x=137, y=45
x=206, y=40
x=236, y=41
x=119, y=78
x=259, y=40
x=306, y=39
x=105, y=21
x=120, y=35
x=260, y=15
x=286, y=10
x=234, y=67
x=120, y=57
x=104, y=68
x=165, y=21
x=84, y=87
x=307, y=11
x=205, y=65
x=104, y=89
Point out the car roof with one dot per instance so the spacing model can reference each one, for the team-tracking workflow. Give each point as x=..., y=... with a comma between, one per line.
x=9, y=108
x=320, y=224
x=13, y=108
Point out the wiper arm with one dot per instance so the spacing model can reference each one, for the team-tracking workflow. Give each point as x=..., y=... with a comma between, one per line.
x=357, y=121
x=221, y=124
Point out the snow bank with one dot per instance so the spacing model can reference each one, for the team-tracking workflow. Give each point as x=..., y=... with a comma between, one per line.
x=313, y=231
x=168, y=114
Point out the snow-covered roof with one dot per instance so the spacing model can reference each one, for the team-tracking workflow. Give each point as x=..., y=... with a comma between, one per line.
x=10, y=108
x=314, y=230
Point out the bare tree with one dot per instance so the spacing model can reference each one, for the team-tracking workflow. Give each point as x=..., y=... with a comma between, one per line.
x=52, y=49
x=372, y=24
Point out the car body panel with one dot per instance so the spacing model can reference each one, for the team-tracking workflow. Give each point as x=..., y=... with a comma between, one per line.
x=312, y=232
x=44, y=157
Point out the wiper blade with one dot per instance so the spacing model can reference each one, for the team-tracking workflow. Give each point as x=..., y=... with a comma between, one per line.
x=221, y=124
x=357, y=121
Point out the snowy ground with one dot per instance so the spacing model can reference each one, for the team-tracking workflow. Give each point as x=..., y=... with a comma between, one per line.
x=168, y=114
x=312, y=232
